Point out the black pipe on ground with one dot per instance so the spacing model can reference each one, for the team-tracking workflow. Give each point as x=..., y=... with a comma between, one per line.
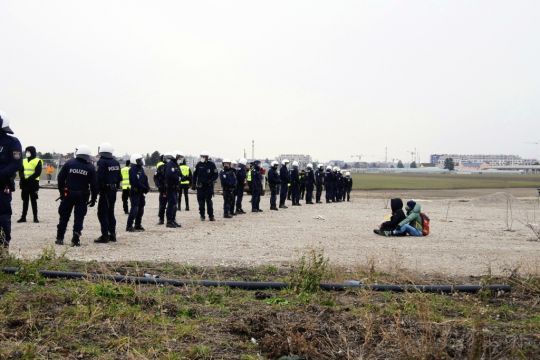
x=256, y=285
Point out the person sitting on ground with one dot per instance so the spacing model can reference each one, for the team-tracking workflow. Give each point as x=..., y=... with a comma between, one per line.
x=398, y=215
x=412, y=224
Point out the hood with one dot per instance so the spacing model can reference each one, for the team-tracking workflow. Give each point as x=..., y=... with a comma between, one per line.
x=396, y=204
x=414, y=207
x=32, y=151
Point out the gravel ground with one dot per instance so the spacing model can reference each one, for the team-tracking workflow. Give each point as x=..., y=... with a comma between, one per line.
x=468, y=237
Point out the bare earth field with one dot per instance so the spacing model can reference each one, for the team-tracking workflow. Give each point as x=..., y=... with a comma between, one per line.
x=469, y=234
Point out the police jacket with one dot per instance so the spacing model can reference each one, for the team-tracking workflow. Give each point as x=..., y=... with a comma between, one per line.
x=228, y=179
x=329, y=178
x=108, y=174
x=319, y=177
x=310, y=177
x=284, y=174
x=339, y=180
x=295, y=176
x=256, y=178
x=241, y=175
x=10, y=159
x=348, y=183
x=138, y=179
x=159, y=177
x=205, y=174
x=273, y=177
x=78, y=176
x=172, y=175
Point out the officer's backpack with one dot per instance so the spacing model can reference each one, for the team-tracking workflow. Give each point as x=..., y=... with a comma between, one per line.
x=425, y=224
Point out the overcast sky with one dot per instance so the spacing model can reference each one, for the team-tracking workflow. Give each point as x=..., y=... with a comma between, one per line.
x=326, y=78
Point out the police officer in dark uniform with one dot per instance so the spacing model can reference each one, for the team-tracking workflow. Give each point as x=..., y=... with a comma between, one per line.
x=108, y=179
x=319, y=182
x=139, y=187
x=295, y=184
x=204, y=176
x=274, y=182
x=172, y=184
x=29, y=182
x=309, y=180
x=302, y=184
x=285, y=178
x=256, y=186
x=240, y=183
x=228, y=186
x=348, y=186
x=338, y=193
x=10, y=163
x=329, y=184
x=77, y=183
x=159, y=181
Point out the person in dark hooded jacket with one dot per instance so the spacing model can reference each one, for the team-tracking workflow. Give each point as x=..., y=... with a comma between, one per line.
x=398, y=216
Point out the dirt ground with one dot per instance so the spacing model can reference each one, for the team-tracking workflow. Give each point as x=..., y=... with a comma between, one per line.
x=469, y=234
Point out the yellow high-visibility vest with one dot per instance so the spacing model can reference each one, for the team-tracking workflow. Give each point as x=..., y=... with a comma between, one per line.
x=184, y=169
x=125, y=178
x=30, y=167
x=248, y=177
x=159, y=164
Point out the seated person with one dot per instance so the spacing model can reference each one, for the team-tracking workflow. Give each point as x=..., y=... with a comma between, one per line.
x=398, y=215
x=412, y=224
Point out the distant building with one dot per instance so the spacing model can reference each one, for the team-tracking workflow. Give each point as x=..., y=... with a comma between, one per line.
x=476, y=160
x=303, y=160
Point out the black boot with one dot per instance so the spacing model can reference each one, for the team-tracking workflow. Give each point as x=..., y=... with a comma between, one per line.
x=76, y=239
x=171, y=225
x=177, y=224
x=103, y=239
x=138, y=228
x=22, y=219
x=161, y=222
x=36, y=220
x=212, y=218
x=112, y=237
x=59, y=240
x=227, y=216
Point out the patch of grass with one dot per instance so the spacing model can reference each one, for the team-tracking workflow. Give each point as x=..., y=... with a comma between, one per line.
x=307, y=275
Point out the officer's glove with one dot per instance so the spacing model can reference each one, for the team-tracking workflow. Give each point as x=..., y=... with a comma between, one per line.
x=92, y=203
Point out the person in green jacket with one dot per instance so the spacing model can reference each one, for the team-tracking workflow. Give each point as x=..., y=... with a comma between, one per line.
x=412, y=224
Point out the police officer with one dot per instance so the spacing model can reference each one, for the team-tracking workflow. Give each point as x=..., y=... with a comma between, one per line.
x=159, y=181
x=186, y=177
x=126, y=188
x=285, y=178
x=77, y=183
x=228, y=186
x=240, y=183
x=234, y=167
x=319, y=183
x=309, y=180
x=295, y=184
x=10, y=163
x=275, y=182
x=108, y=179
x=172, y=185
x=338, y=194
x=348, y=186
x=329, y=184
x=204, y=176
x=139, y=187
x=256, y=186
x=29, y=182
x=302, y=184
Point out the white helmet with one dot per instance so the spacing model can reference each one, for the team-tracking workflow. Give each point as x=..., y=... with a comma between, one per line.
x=205, y=153
x=336, y=168
x=309, y=166
x=83, y=150
x=226, y=161
x=295, y=163
x=320, y=166
x=234, y=162
x=243, y=161
x=105, y=148
x=275, y=163
x=339, y=170
x=178, y=153
x=285, y=162
x=134, y=157
x=348, y=173
x=4, y=123
x=328, y=167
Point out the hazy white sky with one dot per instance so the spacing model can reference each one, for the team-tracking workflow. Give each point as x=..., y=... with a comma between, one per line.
x=328, y=78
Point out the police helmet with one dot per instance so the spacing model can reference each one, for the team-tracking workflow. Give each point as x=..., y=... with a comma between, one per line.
x=83, y=152
x=348, y=174
x=295, y=163
x=243, y=161
x=285, y=162
x=234, y=162
x=179, y=153
x=335, y=168
x=135, y=157
x=275, y=163
x=105, y=149
x=226, y=161
x=309, y=166
x=320, y=166
x=328, y=167
x=205, y=153
x=4, y=123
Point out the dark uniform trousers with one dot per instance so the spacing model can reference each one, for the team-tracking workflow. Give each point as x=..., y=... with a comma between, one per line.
x=125, y=199
x=309, y=193
x=255, y=198
x=283, y=193
x=76, y=202
x=274, y=192
x=29, y=194
x=204, y=197
x=239, y=196
x=318, y=193
x=228, y=201
x=184, y=188
x=162, y=204
x=172, y=203
x=137, y=208
x=105, y=211
x=295, y=193
x=5, y=215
